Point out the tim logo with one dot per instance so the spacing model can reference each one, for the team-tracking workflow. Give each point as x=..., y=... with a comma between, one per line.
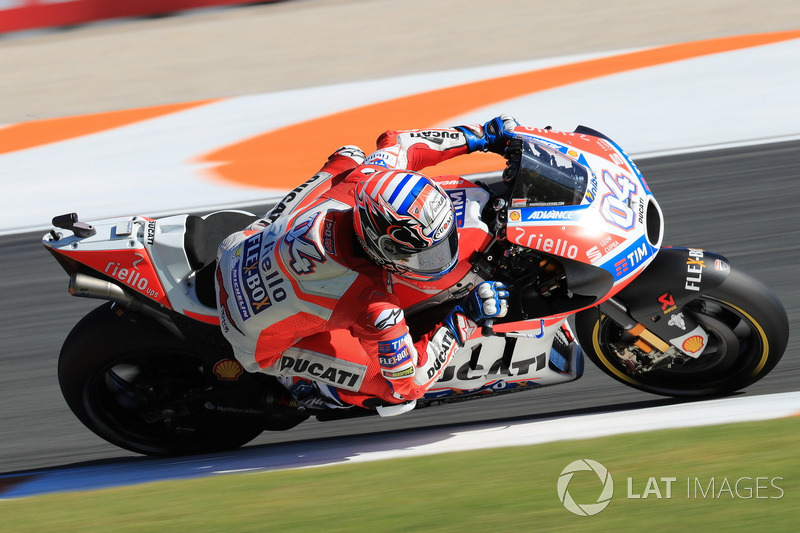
x=459, y=199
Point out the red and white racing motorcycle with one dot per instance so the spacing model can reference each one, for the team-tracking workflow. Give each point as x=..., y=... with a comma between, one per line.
x=570, y=226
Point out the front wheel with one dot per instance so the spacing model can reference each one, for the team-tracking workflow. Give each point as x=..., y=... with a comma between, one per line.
x=748, y=333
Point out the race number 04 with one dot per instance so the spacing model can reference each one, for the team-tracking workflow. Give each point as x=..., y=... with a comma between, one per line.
x=616, y=206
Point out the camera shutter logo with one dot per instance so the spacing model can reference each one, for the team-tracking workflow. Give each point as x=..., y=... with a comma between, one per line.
x=587, y=509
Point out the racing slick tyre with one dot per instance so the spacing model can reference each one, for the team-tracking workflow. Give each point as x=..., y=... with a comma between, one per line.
x=141, y=388
x=748, y=333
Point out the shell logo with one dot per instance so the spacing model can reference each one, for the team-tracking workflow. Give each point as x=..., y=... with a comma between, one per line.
x=693, y=344
x=514, y=215
x=228, y=370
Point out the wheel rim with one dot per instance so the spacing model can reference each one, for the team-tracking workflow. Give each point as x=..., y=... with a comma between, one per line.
x=736, y=349
x=142, y=398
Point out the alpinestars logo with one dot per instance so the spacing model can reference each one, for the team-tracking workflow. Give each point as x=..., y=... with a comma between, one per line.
x=388, y=318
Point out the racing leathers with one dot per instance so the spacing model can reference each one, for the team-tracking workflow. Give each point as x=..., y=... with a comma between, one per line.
x=299, y=299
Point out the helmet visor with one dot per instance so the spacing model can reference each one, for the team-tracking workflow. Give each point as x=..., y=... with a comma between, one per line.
x=432, y=262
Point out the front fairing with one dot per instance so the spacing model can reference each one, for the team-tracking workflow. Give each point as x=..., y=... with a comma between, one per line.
x=614, y=224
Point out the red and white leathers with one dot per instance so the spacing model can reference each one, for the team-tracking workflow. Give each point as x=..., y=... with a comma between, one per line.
x=299, y=298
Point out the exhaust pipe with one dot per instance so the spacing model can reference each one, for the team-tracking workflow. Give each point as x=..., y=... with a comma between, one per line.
x=85, y=286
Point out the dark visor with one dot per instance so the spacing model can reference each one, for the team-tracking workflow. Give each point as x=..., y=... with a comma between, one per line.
x=435, y=259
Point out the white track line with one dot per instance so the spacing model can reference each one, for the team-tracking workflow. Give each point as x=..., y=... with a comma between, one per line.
x=694, y=414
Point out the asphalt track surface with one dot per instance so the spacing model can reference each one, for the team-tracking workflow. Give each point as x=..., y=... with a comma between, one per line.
x=740, y=202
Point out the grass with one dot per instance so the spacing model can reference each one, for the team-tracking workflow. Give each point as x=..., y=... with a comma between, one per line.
x=501, y=489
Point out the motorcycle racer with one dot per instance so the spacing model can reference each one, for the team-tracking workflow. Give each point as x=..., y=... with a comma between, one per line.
x=306, y=293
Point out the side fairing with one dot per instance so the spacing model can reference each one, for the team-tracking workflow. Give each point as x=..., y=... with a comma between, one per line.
x=487, y=365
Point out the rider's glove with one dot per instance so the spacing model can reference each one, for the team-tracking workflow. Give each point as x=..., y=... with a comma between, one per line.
x=488, y=300
x=492, y=136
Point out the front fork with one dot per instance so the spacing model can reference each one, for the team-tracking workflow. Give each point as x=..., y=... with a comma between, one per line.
x=657, y=350
x=690, y=341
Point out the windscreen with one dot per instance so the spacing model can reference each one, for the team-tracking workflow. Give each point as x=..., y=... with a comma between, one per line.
x=547, y=178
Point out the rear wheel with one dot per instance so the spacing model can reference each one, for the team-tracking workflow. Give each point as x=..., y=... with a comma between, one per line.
x=748, y=329
x=142, y=389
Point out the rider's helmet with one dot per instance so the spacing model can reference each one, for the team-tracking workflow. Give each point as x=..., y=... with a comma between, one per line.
x=406, y=224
